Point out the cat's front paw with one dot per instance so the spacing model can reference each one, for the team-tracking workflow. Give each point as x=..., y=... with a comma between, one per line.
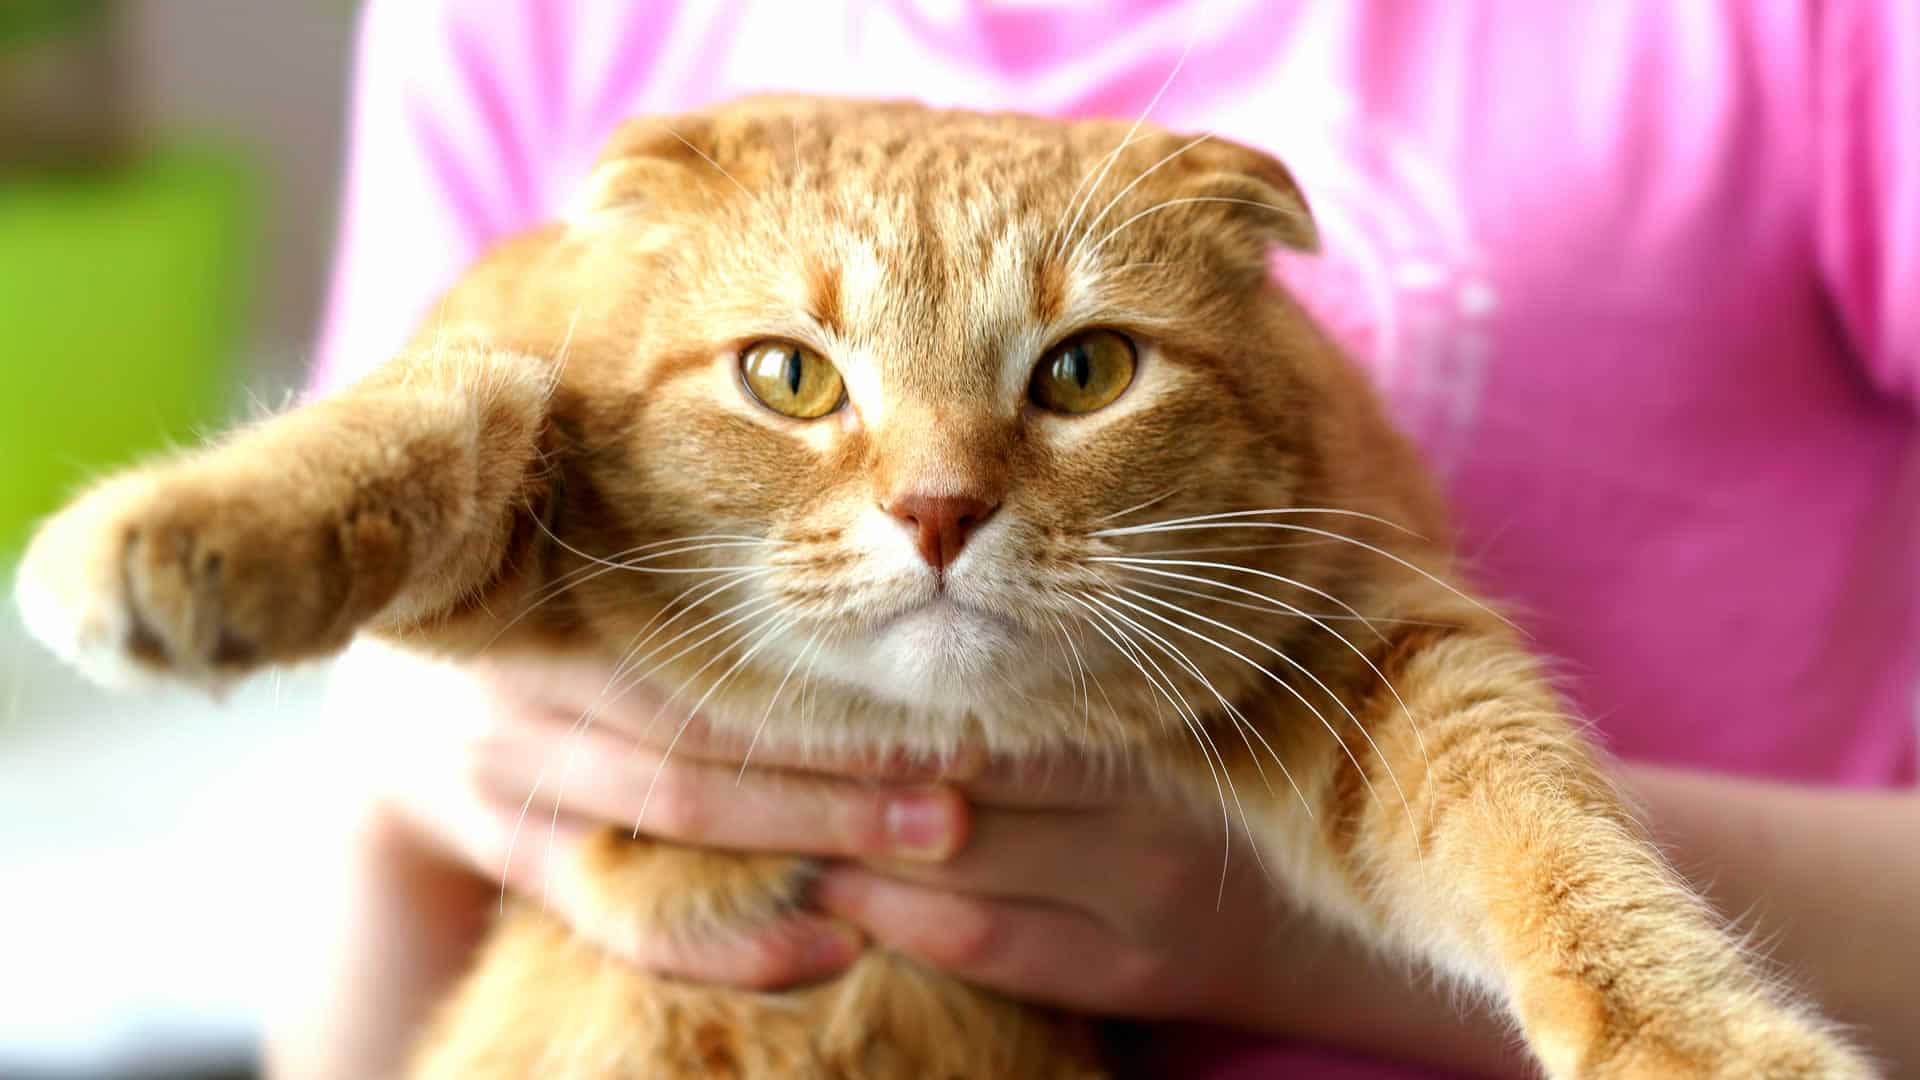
x=691, y=911
x=159, y=575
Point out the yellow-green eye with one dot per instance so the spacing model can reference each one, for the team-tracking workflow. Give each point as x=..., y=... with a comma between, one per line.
x=1084, y=372
x=791, y=379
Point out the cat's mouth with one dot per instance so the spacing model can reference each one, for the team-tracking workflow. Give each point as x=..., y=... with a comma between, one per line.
x=934, y=653
x=942, y=612
x=945, y=634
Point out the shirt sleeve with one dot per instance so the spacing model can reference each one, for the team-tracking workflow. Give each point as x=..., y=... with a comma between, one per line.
x=466, y=121
x=1867, y=207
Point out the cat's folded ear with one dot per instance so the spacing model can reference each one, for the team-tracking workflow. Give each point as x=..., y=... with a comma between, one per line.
x=687, y=159
x=653, y=161
x=1253, y=188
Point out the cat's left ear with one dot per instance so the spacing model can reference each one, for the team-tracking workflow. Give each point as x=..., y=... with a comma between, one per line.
x=1253, y=188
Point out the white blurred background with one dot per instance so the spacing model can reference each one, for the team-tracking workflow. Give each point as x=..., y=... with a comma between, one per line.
x=140, y=870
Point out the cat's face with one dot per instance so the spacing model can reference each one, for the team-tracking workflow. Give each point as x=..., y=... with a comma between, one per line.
x=909, y=369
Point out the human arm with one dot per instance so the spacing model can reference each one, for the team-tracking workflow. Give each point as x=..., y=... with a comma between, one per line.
x=1823, y=880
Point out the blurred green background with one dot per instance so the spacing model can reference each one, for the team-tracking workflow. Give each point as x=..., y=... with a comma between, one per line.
x=167, y=177
x=169, y=172
x=126, y=294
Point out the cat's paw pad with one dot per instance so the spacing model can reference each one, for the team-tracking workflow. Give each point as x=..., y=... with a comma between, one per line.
x=142, y=579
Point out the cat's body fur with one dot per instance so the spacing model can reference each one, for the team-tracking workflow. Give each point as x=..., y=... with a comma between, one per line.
x=574, y=398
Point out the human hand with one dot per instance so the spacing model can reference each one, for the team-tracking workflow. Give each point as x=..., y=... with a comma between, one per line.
x=1052, y=880
x=489, y=766
x=1046, y=879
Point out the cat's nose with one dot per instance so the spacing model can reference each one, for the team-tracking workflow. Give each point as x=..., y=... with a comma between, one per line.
x=941, y=523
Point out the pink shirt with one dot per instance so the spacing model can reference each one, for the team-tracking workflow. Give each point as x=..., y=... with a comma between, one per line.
x=1642, y=278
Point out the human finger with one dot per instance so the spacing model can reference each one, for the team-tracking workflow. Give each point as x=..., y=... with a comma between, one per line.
x=591, y=773
x=1036, y=952
x=1131, y=872
x=531, y=856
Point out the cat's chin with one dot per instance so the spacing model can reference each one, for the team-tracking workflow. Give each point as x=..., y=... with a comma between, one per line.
x=941, y=655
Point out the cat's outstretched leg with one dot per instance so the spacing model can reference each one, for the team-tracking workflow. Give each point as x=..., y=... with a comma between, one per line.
x=390, y=505
x=1514, y=864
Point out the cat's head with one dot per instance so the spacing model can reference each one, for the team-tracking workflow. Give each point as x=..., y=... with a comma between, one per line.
x=926, y=378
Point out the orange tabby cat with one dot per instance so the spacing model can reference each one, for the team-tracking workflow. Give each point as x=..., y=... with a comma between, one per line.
x=997, y=431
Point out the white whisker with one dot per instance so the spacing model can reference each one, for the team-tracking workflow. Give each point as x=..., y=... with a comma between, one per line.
x=1115, y=201
x=548, y=594
x=778, y=627
x=1141, y=264
x=1112, y=710
x=1144, y=563
x=1234, y=515
x=552, y=590
x=1137, y=507
x=1057, y=237
x=1242, y=726
x=628, y=661
x=1382, y=552
x=1393, y=777
x=667, y=754
x=566, y=343
x=513, y=839
x=807, y=685
x=1079, y=666
x=1223, y=549
x=1413, y=724
x=714, y=587
x=813, y=641
x=1188, y=200
x=637, y=680
x=1192, y=723
x=1127, y=140
x=633, y=557
x=1275, y=607
x=598, y=561
x=752, y=200
x=577, y=731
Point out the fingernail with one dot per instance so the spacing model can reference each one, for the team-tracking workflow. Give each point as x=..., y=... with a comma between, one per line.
x=839, y=946
x=921, y=826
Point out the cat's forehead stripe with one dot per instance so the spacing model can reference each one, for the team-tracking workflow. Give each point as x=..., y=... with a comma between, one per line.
x=1049, y=290
x=863, y=286
x=823, y=297
x=902, y=334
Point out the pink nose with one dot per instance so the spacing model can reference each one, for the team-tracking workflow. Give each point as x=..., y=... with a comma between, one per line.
x=941, y=523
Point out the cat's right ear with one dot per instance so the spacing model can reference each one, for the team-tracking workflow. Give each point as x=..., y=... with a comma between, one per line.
x=650, y=162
